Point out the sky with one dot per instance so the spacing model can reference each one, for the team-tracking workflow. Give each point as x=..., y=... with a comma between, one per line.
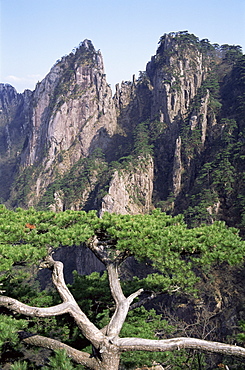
x=34, y=34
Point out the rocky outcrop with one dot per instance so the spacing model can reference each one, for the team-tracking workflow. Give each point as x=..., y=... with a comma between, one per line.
x=73, y=103
x=176, y=73
x=132, y=100
x=14, y=119
x=165, y=93
x=177, y=168
x=14, y=126
x=130, y=190
x=73, y=114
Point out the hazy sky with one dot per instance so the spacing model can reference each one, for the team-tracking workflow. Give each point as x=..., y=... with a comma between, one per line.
x=35, y=33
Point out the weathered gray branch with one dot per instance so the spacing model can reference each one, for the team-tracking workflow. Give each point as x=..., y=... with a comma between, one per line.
x=139, y=344
x=122, y=303
x=89, y=330
x=69, y=305
x=144, y=300
x=58, y=279
x=76, y=355
x=107, y=342
x=18, y=307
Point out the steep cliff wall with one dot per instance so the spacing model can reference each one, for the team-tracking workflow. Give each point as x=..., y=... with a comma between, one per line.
x=133, y=102
x=185, y=88
x=72, y=103
x=164, y=94
x=130, y=191
x=176, y=73
x=15, y=119
x=73, y=114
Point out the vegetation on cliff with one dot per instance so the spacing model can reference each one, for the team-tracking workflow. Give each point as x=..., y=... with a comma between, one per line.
x=218, y=188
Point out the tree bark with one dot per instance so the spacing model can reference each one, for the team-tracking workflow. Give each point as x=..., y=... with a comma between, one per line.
x=24, y=309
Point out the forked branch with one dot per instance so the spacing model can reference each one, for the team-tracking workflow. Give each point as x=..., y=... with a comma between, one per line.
x=69, y=305
x=122, y=303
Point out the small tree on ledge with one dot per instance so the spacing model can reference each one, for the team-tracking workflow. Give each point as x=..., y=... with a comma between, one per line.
x=164, y=241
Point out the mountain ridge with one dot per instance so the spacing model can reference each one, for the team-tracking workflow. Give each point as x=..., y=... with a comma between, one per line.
x=65, y=143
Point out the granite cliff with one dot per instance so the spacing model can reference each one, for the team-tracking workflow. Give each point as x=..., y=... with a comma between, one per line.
x=71, y=144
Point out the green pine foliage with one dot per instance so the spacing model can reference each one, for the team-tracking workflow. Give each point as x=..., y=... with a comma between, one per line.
x=27, y=235
x=19, y=365
x=174, y=251
x=61, y=361
x=9, y=328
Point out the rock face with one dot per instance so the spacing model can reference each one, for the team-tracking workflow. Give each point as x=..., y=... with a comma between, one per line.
x=72, y=115
x=60, y=143
x=14, y=127
x=73, y=105
x=177, y=168
x=130, y=191
x=176, y=73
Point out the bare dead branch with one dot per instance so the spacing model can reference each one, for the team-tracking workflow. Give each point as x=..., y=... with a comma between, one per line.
x=122, y=303
x=18, y=307
x=76, y=355
x=143, y=301
x=69, y=305
x=58, y=279
x=114, y=282
x=134, y=295
x=89, y=330
x=139, y=344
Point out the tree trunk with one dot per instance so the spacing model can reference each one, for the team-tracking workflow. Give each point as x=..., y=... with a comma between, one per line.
x=108, y=358
x=109, y=362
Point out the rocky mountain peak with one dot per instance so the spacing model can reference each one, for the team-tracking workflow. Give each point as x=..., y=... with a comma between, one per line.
x=70, y=144
x=71, y=114
x=87, y=44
